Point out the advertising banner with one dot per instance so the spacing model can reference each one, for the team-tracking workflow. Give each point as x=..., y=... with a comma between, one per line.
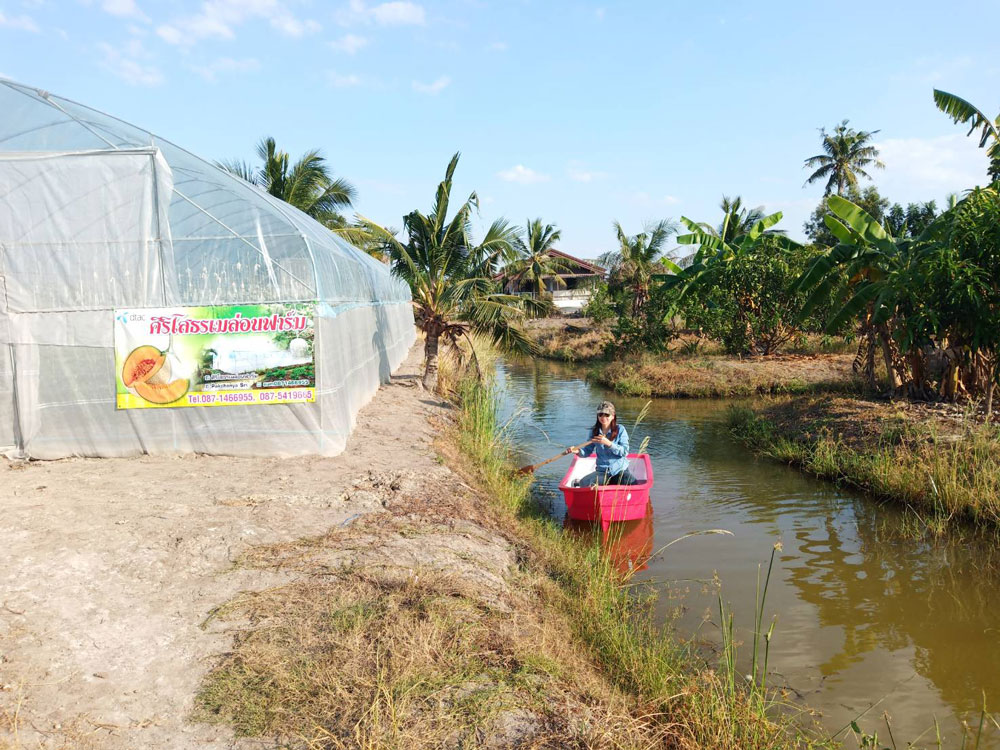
x=232, y=355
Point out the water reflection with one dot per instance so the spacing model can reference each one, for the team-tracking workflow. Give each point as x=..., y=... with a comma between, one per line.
x=864, y=611
x=628, y=544
x=898, y=594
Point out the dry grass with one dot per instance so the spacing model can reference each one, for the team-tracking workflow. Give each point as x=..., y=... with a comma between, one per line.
x=573, y=340
x=581, y=340
x=377, y=657
x=711, y=376
x=696, y=367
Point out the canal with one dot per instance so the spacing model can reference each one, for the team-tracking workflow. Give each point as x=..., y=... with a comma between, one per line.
x=870, y=619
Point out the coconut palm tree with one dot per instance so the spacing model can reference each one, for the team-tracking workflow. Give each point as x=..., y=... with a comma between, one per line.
x=307, y=184
x=534, y=262
x=634, y=261
x=962, y=111
x=847, y=153
x=453, y=279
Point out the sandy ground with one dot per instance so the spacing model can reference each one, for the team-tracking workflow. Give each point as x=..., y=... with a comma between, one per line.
x=110, y=568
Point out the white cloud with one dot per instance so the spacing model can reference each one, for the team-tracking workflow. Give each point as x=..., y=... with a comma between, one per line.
x=21, y=23
x=498, y=47
x=432, y=88
x=341, y=81
x=219, y=19
x=293, y=27
x=349, y=44
x=124, y=65
x=170, y=34
x=212, y=71
x=124, y=9
x=522, y=174
x=930, y=167
x=577, y=173
x=599, y=13
x=399, y=13
x=395, y=13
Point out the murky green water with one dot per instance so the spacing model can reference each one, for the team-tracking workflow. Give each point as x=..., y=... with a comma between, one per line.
x=865, y=614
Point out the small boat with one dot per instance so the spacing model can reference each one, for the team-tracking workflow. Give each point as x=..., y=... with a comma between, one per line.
x=609, y=502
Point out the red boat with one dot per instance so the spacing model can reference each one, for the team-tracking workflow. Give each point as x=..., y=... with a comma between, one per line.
x=609, y=502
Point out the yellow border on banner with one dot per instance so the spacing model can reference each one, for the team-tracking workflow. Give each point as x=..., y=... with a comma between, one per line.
x=261, y=397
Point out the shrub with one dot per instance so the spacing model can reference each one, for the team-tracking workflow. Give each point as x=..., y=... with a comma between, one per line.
x=600, y=307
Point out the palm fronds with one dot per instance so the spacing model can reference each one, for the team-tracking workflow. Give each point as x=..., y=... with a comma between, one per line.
x=846, y=154
x=961, y=111
x=308, y=184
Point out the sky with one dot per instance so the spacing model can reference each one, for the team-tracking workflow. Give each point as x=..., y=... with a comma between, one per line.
x=580, y=113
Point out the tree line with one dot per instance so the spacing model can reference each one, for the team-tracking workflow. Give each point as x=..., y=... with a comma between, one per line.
x=919, y=288
x=916, y=286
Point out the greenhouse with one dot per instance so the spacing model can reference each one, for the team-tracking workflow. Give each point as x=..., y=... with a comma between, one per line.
x=151, y=302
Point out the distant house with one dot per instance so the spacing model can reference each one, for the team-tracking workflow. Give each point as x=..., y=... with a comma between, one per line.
x=579, y=280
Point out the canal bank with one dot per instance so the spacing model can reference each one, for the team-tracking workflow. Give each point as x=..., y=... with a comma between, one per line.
x=939, y=460
x=869, y=619
x=693, y=366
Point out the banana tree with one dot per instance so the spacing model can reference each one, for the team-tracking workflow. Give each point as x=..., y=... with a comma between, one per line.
x=960, y=110
x=879, y=269
x=965, y=281
x=933, y=297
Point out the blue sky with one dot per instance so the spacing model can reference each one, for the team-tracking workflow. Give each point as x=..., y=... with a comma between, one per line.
x=581, y=113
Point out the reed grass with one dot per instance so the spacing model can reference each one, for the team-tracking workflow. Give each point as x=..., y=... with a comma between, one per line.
x=942, y=480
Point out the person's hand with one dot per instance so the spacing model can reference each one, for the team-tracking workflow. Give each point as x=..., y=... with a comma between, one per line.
x=572, y=449
x=601, y=440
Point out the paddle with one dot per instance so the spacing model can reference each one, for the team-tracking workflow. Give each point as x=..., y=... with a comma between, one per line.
x=533, y=467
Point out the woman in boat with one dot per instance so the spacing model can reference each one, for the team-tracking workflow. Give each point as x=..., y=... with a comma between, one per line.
x=609, y=441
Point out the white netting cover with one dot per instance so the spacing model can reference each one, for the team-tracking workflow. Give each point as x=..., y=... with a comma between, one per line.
x=96, y=214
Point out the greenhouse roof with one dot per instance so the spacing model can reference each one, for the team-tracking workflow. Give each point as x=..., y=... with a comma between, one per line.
x=229, y=241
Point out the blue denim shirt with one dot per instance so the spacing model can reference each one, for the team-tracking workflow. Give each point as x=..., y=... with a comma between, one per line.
x=611, y=459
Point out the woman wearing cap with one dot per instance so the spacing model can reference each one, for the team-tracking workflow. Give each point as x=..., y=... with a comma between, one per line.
x=609, y=441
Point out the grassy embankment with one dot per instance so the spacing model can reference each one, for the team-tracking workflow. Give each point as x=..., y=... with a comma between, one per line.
x=935, y=459
x=563, y=654
x=698, y=368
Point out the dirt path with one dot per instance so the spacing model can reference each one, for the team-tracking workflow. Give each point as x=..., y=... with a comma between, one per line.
x=108, y=569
